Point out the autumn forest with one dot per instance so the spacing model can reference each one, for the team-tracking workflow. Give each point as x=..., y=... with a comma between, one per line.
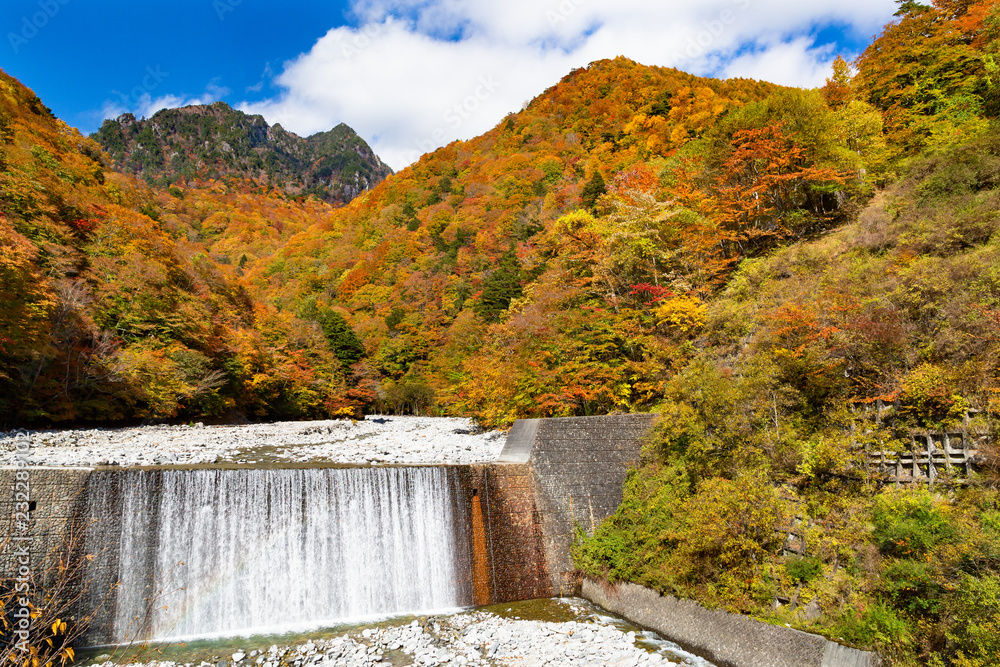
x=787, y=275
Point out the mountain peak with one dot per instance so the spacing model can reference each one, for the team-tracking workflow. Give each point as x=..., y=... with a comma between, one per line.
x=215, y=141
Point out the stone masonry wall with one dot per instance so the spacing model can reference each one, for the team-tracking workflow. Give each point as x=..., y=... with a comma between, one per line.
x=578, y=467
x=56, y=499
x=516, y=562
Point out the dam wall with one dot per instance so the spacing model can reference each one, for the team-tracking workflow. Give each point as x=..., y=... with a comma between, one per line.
x=41, y=513
x=505, y=530
x=571, y=471
x=221, y=550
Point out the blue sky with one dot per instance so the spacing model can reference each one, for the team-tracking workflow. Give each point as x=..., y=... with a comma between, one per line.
x=408, y=75
x=91, y=51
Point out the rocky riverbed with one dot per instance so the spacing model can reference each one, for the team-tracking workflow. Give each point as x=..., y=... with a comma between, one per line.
x=375, y=440
x=474, y=638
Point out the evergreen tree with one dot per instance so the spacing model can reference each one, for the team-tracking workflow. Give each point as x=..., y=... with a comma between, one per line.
x=503, y=285
x=593, y=190
x=907, y=7
x=344, y=342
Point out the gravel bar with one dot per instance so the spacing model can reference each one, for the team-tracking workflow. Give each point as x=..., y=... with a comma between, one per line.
x=475, y=639
x=379, y=440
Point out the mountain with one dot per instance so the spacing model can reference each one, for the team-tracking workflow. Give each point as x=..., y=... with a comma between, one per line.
x=112, y=310
x=793, y=278
x=472, y=289
x=198, y=143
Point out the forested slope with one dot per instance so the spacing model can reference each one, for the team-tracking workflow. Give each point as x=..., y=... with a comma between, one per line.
x=815, y=353
x=111, y=311
x=521, y=273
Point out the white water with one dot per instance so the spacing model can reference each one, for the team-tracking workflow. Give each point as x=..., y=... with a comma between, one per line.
x=227, y=552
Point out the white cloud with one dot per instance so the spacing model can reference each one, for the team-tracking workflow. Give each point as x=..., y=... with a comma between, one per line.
x=407, y=92
x=417, y=74
x=797, y=60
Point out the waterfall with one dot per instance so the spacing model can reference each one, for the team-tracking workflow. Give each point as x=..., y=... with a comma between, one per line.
x=255, y=551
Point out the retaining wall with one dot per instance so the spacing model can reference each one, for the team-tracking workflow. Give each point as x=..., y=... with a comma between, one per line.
x=576, y=468
x=515, y=566
x=728, y=640
x=57, y=498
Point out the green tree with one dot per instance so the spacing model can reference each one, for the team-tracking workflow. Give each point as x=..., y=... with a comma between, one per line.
x=907, y=7
x=837, y=90
x=592, y=191
x=503, y=285
x=344, y=342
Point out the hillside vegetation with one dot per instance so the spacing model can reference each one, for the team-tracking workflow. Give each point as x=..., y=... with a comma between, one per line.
x=818, y=351
x=113, y=312
x=394, y=292
x=519, y=274
x=562, y=263
x=769, y=425
x=790, y=276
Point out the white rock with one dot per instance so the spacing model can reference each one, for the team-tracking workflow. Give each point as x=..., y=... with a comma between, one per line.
x=376, y=439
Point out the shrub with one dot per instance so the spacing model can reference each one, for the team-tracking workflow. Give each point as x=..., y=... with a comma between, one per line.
x=635, y=542
x=607, y=554
x=728, y=528
x=52, y=594
x=683, y=313
x=912, y=587
x=878, y=625
x=976, y=632
x=803, y=569
x=824, y=454
x=928, y=397
x=910, y=524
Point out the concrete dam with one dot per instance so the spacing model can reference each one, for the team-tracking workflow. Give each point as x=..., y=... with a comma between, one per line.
x=220, y=551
